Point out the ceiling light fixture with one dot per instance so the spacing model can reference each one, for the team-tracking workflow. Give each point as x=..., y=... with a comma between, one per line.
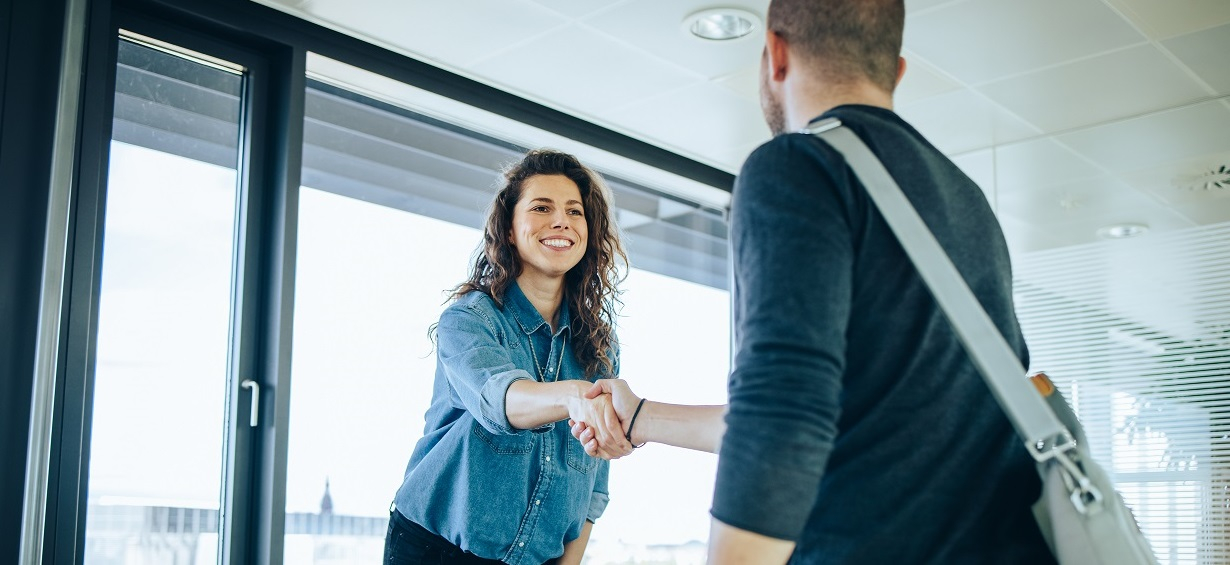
x=1123, y=231
x=721, y=24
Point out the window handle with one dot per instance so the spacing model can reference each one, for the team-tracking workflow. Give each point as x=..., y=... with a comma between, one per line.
x=256, y=400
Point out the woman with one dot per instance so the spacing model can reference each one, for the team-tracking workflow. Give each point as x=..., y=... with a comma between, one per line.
x=494, y=478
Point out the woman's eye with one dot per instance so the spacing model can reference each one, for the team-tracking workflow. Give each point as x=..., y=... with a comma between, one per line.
x=576, y=212
x=539, y=209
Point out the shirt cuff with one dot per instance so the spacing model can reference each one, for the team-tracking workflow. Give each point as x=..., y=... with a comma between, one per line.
x=597, y=505
x=493, y=411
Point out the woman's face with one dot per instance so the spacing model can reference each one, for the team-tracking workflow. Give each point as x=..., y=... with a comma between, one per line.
x=548, y=226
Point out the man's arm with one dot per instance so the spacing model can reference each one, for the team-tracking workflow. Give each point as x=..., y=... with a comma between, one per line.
x=729, y=545
x=793, y=252
x=698, y=427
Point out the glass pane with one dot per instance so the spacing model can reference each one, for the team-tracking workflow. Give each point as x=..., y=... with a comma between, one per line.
x=369, y=282
x=164, y=312
x=388, y=221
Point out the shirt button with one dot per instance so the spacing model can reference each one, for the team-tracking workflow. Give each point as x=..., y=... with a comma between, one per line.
x=548, y=458
x=537, y=502
x=520, y=544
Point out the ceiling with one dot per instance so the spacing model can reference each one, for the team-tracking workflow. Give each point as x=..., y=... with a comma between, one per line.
x=1073, y=115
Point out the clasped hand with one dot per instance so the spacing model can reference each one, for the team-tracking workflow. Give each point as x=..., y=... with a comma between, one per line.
x=603, y=429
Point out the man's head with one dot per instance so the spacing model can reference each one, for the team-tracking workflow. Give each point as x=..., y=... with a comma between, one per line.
x=838, y=43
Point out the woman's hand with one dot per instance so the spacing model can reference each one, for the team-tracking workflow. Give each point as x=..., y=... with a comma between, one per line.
x=598, y=414
x=624, y=402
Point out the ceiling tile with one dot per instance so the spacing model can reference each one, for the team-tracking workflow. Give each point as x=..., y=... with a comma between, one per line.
x=1205, y=213
x=1205, y=53
x=913, y=6
x=1168, y=18
x=921, y=80
x=657, y=27
x=1187, y=181
x=577, y=8
x=704, y=120
x=963, y=120
x=429, y=29
x=1155, y=139
x=745, y=83
x=982, y=40
x=1088, y=200
x=1123, y=83
x=589, y=76
x=1029, y=165
x=1023, y=237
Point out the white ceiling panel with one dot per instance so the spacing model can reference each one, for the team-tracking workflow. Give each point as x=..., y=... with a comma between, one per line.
x=657, y=27
x=730, y=120
x=1214, y=211
x=963, y=120
x=585, y=77
x=1162, y=19
x=430, y=28
x=1030, y=165
x=745, y=83
x=1186, y=182
x=1023, y=237
x=977, y=41
x=921, y=80
x=1155, y=139
x=578, y=8
x=1115, y=85
x=1206, y=53
x=1090, y=201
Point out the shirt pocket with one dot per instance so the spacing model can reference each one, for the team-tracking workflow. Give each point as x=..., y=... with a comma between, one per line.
x=577, y=458
x=504, y=444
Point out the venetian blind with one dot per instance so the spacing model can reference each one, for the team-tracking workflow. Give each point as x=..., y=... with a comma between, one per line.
x=1136, y=333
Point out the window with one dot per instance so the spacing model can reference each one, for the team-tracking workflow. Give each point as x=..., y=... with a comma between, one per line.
x=164, y=328
x=390, y=214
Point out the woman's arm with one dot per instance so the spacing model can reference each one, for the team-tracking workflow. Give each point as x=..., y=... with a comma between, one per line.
x=575, y=549
x=532, y=404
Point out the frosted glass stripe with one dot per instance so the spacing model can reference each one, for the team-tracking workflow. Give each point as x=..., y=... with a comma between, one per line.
x=1136, y=334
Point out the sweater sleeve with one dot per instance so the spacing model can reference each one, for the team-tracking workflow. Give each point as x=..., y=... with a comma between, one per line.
x=792, y=251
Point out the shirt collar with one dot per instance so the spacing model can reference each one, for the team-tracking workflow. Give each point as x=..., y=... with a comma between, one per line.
x=526, y=315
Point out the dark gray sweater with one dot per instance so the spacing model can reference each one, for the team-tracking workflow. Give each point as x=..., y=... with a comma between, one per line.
x=858, y=426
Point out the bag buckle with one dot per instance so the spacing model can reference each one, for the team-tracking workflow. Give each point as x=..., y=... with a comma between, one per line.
x=1085, y=496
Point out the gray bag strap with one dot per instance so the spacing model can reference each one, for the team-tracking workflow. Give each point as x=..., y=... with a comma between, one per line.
x=1034, y=421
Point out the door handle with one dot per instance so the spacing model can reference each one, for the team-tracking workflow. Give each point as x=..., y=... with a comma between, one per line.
x=256, y=400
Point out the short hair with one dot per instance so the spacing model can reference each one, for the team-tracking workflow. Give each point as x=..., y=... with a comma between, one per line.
x=844, y=39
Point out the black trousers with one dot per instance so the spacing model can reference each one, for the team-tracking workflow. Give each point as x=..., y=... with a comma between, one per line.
x=408, y=543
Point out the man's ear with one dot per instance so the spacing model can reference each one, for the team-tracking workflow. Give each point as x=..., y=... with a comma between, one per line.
x=778, y=55
x=900, y=70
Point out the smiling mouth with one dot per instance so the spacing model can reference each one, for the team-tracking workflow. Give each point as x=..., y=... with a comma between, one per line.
x=557, y=243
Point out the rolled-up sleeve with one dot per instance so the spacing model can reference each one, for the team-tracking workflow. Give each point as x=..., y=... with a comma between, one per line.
x=478, y=367
x=792, y=250
x=600, y=497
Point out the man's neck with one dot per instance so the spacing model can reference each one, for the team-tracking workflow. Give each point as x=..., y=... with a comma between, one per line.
x=546, y=294
x=808, y=103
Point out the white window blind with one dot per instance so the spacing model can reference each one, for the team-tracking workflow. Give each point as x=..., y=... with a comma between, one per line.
x=1136, y=333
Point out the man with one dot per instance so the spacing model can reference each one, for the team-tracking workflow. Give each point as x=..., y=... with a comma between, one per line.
x=858, y=430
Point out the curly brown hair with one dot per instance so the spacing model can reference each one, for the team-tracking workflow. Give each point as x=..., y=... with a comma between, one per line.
x=589, y=287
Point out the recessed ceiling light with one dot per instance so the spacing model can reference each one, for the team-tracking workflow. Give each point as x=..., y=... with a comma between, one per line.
x=1122, y=231
x=721, y=24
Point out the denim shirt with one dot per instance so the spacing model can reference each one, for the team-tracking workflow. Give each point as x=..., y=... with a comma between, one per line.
x=491, y=489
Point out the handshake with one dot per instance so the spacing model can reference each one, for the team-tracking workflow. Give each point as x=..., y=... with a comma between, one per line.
x=603, y=417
